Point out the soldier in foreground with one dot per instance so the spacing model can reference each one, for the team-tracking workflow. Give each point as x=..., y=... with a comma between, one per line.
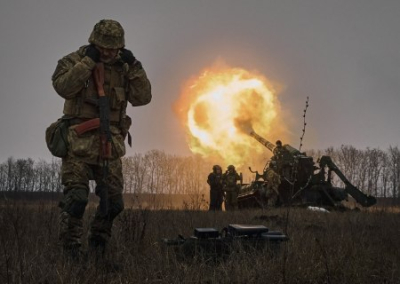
x=216, y=192
x=103, y=71
x=231, y=188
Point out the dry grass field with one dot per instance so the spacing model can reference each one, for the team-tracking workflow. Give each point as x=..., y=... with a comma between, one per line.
x=347, y=247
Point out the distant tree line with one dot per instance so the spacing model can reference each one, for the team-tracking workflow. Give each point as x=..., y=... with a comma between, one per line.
x=153, y=172
x=26, y=175
x=373, y=171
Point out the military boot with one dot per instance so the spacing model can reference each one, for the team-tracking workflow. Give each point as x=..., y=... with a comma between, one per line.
x=97, y=248
x=97, y=254
x=73, y=253
x=70, y=234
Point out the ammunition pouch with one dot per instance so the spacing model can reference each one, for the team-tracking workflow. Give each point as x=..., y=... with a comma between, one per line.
x=56, y=137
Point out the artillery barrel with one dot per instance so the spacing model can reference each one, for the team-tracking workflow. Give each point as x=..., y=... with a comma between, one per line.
x=263, y=141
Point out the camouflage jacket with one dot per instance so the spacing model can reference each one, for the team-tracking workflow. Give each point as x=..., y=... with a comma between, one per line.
x=230, y=180
x=282, y=158
x=215, y=181
x=272, y=178
x=73, y=81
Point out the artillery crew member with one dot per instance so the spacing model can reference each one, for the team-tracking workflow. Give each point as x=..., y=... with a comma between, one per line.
x=273, y=181
x=282, y=160
x=216, y=192
x=231, y=188
x=89, y=157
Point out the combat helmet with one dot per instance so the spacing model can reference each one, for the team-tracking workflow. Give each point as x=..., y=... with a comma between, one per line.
x=216, y=167
x=231, y=168
x=108, y=34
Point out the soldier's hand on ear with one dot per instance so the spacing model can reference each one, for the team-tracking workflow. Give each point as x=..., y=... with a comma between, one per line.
x=93, y=53
x=127, y=56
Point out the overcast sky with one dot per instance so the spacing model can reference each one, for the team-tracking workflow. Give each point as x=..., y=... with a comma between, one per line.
x=344, y=55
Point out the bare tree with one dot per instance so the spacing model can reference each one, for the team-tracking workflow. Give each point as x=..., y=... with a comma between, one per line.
x=394, y=157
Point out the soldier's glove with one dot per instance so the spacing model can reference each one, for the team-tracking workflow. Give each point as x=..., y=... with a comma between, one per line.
x=127, y=56
x=93, y=53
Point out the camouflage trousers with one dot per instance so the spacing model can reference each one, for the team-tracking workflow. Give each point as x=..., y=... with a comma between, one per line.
x=216, y=199
x=231, y=199
x=75, y=178
x=271, y=192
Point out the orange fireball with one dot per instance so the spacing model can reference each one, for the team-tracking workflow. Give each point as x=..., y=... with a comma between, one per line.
x=221, y=106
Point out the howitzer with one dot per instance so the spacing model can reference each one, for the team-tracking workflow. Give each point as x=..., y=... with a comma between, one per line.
x=210, y=244
x=293, y=151
x=302, y=182
x=263, y=141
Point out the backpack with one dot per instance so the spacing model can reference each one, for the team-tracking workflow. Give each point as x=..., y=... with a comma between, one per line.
x=56, y=137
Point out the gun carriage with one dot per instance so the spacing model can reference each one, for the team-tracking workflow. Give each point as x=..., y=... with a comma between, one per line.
x=302, y=181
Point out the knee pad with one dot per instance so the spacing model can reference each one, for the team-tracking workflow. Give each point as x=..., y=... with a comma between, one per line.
x=116, y=207
x=76, y=202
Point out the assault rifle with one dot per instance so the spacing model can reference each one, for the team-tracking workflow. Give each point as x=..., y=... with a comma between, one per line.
x=104, y=112
x=103, y=124
x=105, y=133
